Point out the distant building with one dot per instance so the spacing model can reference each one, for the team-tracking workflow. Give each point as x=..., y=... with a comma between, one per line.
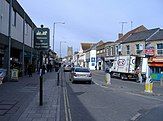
x=69, y=51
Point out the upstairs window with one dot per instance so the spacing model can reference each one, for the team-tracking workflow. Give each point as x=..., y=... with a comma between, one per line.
x=160, y=48
x=26, y=28
x=137, y=48
x=14, y=18
x=128, y=49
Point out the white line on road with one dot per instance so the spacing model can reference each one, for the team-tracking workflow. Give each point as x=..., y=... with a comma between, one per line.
x=103, y=86
x=135, y=117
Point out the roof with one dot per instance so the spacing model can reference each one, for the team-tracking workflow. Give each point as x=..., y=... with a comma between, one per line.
x=86, y=46
x=141, y=35
x=124, y=37
x=158, y=35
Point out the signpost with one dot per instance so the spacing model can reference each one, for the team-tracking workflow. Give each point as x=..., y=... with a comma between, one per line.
x=41, y=43
x=149, y=52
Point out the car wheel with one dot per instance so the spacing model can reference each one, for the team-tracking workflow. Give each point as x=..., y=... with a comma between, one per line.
x=123, y=76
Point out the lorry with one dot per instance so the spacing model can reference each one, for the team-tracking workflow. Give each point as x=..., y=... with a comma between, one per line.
x=125, y=67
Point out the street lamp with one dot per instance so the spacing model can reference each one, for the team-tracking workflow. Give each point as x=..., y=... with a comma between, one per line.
x=54, y=30
x=61, y=47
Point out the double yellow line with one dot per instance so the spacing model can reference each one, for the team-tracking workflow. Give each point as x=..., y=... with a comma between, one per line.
x=67, y=105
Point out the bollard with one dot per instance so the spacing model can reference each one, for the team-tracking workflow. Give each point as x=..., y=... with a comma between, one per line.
x=41, y=90
x=149, y=86
x=107, y=79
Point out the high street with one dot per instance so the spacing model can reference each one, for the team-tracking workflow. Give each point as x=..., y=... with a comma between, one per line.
x=120, y=101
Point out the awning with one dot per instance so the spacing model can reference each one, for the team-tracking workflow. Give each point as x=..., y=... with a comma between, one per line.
x=156, y=64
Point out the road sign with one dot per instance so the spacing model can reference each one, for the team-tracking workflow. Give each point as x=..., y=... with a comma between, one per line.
x=41, y=38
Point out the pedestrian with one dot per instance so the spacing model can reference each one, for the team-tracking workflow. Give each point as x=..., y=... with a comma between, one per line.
x=43, y=69
x=30, y=70
x=138, y=72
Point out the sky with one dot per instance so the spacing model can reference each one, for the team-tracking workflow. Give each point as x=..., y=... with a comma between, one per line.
x=92, y=20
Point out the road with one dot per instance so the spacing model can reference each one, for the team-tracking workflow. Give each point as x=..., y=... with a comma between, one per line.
x=121, y=101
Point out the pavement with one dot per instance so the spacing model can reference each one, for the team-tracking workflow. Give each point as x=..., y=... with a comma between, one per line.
x=19, y=101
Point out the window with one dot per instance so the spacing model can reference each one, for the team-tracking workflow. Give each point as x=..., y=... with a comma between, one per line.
x=92, y=59
x=128, y=49
x=111, y=51
x=160, y=48
x=26, y=28
x=137, y=49
x=116, y=50
x=14, y=18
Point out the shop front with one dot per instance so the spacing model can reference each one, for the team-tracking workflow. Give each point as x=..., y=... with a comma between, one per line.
x=156, y=67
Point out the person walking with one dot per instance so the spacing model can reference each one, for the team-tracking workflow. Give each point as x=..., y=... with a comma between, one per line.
x=30, y=70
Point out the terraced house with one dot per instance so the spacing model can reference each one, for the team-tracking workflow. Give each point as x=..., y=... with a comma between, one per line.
x=148, y=43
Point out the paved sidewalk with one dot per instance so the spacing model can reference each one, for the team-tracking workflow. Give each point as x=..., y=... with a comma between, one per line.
x=51, y=102
x=19, y=101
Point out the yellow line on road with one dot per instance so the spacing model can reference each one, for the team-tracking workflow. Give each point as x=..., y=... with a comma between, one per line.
x=67, y=105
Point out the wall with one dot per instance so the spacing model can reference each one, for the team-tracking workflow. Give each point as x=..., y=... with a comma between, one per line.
x=4, y=17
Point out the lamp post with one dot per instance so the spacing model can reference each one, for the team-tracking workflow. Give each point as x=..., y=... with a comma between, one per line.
x=61, y=47
x=54, y=30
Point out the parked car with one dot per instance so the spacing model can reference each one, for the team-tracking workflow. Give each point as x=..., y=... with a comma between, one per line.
x=2, y=75
x=67, y=68
x=81, y=74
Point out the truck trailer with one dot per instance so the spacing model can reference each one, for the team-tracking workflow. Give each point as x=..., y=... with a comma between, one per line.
x=126, y=67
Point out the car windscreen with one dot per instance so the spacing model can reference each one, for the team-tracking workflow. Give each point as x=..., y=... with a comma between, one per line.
x=81, y=70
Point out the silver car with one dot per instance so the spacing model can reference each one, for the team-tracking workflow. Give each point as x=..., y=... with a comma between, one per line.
x=81, y=74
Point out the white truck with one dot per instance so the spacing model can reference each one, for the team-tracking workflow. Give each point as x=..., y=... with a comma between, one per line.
x=125, y=67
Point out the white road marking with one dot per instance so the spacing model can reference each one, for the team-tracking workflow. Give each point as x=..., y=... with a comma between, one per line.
x=103, y=86
x=135, y=117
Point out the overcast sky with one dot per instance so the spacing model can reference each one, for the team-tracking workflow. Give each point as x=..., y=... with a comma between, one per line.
x=92, y=20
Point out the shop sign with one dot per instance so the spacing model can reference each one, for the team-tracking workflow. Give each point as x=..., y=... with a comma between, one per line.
x=41, y=38
x=149, y=52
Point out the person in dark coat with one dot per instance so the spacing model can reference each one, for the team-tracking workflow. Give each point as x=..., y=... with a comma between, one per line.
x=43, y=69
x=30, y=70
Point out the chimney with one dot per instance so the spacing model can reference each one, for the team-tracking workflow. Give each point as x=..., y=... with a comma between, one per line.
x=120, y=35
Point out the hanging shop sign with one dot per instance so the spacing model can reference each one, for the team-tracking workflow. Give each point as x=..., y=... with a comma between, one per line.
x=149, y=49
x=41, y=38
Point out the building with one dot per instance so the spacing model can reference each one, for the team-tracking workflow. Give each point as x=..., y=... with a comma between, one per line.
x=148, y=43
x=115, y=48
x=19, y=31
x=100, y=56
x=82, y=54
